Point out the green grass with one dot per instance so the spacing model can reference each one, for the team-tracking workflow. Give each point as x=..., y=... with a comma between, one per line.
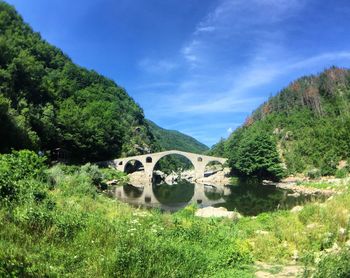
x=317, y=185
x=75, y=231
x=341, y=185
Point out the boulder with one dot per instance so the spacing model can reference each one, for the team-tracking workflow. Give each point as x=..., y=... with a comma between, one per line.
x=294, y=195
x=217, y=177
x=217, y=212
x=138, y=179
x=296, y=209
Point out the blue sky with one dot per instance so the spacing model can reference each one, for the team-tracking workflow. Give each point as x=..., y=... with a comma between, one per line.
x=197, y=66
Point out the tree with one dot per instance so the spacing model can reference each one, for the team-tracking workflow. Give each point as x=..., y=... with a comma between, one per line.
x=256, y=155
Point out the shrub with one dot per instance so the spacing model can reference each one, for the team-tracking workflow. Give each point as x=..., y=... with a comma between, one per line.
x=93, y=172
x=17, y=166
x=238, y=255
x=17, y=265
x=78, y=184
x=314, y=173
x=109, y=174
x=329, y=164
x=334, y=265
x=341, y=173
x=55, y=175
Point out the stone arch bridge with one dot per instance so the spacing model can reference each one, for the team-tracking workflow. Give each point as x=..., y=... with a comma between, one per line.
x=149, y=161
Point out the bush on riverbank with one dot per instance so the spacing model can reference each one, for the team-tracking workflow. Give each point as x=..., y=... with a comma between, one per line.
x=63, y=225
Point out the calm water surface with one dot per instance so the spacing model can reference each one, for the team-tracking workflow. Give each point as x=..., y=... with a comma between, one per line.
x=246, y=198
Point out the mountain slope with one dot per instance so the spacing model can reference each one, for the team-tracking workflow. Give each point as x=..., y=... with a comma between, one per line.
x=47, y=102
x=309, y=121
x=172, y=139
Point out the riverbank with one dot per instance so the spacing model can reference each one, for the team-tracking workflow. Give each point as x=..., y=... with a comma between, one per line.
x=326, y=186
x=212, y=177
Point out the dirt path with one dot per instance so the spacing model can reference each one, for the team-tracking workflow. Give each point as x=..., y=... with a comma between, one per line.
x=277, y=271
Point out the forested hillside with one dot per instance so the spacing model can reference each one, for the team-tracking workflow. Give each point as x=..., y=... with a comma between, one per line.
x=172, y=139
x=308, y=123
x=47, y=103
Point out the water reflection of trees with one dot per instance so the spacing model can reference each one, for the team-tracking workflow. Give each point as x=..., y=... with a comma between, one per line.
x=252, y=198
x=247, y=197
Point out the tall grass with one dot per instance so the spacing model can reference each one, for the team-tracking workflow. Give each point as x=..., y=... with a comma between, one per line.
x=71, y=229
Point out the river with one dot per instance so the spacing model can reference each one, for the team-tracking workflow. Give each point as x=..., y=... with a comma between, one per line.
x=247, y=198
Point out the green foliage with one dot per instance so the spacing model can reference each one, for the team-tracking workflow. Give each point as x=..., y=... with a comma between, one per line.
x=255, y=155
x=16, y=170
x=109, y=174
x=218, y=149
x=17, y=265
x=47, y=102
x=66, y=227
x=334, y=265
x=93, y=172
x=174, y=140
x=341, y=173
x=309, y=120
x=314, y=173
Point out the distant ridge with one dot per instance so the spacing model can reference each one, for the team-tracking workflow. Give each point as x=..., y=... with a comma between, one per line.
x=172, y=139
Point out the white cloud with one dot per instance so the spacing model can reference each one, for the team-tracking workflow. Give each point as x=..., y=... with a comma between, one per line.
x=233, y=58
x=193, y=98
x=204, y=29
x=240, y=24
x=157, y=66
x=320, y=59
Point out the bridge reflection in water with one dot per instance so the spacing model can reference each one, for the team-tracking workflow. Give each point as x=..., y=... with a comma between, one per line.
x=171, y=197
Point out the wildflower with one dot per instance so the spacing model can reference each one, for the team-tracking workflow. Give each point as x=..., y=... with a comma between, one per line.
x=342, y=231
x=295, y=256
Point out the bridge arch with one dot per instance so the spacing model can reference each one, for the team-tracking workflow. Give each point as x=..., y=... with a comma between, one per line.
x=128, y=163
x=198, y=162
x=213, y=161
x=211, y=166
x=155, y=161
